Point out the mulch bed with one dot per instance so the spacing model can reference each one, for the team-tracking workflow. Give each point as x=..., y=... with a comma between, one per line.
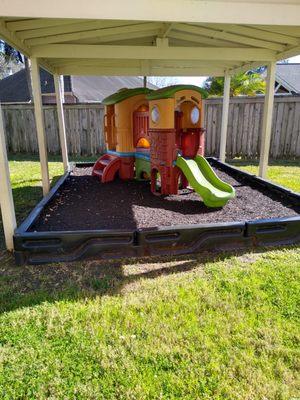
x=83, y=203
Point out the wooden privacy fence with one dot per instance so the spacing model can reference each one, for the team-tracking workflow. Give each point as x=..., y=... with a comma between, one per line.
x=84, y=125
x=84, y=128
x=245, y=124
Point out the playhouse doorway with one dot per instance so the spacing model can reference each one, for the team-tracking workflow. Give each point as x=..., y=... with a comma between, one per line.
x=188, y=128
x=155, y=182
x=110, y=128
x=141, y=126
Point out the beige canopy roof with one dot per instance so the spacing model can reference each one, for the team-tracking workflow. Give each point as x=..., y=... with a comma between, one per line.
x=157, y=37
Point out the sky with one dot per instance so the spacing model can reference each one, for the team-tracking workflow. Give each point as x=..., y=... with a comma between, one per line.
x=198, y=80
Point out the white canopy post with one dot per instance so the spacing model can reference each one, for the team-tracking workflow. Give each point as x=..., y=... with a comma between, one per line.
x=61, y=119
x=6, y=198
x=225, y=109
x=267, y=120
x=40, y=123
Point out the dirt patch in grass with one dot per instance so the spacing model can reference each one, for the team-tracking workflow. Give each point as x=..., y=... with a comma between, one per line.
x=84, y=203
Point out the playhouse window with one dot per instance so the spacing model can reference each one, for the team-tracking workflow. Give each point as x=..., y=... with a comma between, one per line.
x=143, y=142
x=155, y=114
x=195, y=115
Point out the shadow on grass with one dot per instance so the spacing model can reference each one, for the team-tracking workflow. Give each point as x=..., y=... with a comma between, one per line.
x=32, y=285
x=29, y=286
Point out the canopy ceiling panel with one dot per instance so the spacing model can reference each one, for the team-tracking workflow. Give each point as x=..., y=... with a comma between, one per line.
x=184, y=43
x=267, y=12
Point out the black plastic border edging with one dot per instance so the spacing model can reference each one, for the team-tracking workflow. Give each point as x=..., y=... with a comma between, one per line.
x=60, y=246
x=34, y=214
x=256, y=180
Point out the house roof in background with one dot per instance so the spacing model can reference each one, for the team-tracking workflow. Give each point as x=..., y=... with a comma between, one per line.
x=14, y=88
x=96, y=88
x=288, y=75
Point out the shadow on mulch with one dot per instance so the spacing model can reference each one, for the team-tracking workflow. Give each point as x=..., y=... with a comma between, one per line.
x=29, y=286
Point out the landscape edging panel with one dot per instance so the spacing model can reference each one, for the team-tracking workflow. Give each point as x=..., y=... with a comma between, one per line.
x=34, y=214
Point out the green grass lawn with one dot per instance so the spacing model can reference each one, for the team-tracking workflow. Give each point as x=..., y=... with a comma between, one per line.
x=284, y=173
x=200, y=327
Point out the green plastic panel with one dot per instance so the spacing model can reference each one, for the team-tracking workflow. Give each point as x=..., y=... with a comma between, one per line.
x=142, y=166
x=124, y=94
x=169, y=92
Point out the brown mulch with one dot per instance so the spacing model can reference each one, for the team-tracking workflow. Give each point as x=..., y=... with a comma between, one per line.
x=83, y=203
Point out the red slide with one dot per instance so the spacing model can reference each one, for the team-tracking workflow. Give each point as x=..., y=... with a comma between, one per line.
x=106, y=167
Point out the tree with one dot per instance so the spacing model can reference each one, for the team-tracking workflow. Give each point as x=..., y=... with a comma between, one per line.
x=11, y=61
x=162, y=81
x=250, y=84
x=10, y=54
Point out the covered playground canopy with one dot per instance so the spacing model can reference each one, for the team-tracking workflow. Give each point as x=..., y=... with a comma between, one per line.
x=142, y=37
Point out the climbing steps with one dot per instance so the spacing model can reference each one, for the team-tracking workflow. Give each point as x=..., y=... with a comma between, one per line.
x=106, y=167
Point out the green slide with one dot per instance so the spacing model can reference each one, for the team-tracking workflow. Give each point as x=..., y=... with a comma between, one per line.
x=202, y=178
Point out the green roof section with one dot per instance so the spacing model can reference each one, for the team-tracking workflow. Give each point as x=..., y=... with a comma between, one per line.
x=168, y=92
x=124, y=94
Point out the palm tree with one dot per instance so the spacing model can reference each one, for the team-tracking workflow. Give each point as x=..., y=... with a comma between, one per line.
x=250, y=84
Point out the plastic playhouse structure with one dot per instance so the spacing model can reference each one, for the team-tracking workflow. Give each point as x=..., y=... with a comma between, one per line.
x=158, y=136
